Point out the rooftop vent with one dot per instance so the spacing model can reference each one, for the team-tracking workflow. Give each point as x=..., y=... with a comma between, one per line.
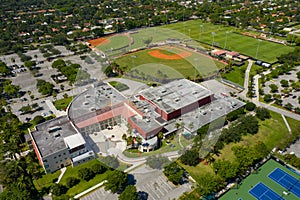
x=177, y=99
x=147, y=120
x=87, y=96
x=195, y=92
x=53, y=129
x=86, y=103
x=57, y=135
x=92, y=109
x=158, y=99
x=164, y=91
x=179, y=85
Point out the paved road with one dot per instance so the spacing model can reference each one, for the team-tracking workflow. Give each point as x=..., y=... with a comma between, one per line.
x=261, y=104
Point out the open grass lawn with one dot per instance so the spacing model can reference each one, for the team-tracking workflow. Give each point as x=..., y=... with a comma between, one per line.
x=46, y=180
x=261, y=175
x=237, y=74
x=119, y=86
x=83, y=185
x=271, y=132
x=198, y=171
x=143, y=62
x=114, y=42
x=268, y=51
x=62, y=103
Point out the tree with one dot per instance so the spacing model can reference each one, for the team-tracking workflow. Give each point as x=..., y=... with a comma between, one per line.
x=173, y=172
x=71, y=181
x=86, y=174
x=44, y=87
x=250, y=106
x=157, y=162
x=190, y=157
x=129, y=193
x=116, y=181
x=262, y=113
x=209, y=184
x=98, y=168
x=58, y=189
x=268, y=98
x=288, y=106
x=284, y=83
x=225, y=169
x=274, y=88
x=38, y=119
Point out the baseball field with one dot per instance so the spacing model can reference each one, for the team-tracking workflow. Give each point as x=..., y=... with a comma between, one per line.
x=169, y=61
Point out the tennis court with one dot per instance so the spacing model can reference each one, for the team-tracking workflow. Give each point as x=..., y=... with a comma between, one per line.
x=263, y=192
x=285, y=180
x=259, y=185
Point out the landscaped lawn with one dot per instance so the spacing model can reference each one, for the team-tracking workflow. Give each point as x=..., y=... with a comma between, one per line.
x=46, y=180
x=119, y=86
x=271, y=132
x=62, y=104
x=237, y=74
x=83, y=185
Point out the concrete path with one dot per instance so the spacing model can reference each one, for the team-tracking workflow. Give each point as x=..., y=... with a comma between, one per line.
x=89, y=190
x=56, y=112
x=247, y=75
x=63, y=170
x=287, y=124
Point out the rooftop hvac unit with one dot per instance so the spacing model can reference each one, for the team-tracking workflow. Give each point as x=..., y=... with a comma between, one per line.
x=177, y=99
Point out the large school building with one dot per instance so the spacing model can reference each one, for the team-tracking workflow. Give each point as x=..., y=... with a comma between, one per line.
x=62, y=141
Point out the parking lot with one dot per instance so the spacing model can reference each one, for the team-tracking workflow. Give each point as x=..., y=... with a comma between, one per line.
x=151, y=184
x=293, y=95
x=23, y=77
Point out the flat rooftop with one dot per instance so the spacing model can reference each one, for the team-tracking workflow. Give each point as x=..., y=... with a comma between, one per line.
x=99, y=97
x=207, y=113
x=176, y=94
x=147, y=124
x=49, y=136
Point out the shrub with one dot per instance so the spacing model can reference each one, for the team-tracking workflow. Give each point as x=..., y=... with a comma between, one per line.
x=86, y=174
x=72, y=181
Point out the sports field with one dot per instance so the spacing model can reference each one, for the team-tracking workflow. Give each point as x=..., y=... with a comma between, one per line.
x=114, y=43
x=120, y=44
x=268, y=182
x=203, y=32
x=168, y=62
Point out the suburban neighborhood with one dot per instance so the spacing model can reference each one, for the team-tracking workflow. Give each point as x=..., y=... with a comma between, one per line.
x=137, y=100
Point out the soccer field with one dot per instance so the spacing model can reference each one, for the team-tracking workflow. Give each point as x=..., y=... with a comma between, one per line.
x=261, y=184
x=203, y=32
x=171, y=62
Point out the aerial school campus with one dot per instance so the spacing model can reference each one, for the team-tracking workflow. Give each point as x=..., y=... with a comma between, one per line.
x=169, y=62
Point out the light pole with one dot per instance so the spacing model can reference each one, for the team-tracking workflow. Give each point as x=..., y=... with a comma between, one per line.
x=271, y=32
x=201, y=30
x=213, y=38
x=226, y=40
x=257, y=48
x=195, y=59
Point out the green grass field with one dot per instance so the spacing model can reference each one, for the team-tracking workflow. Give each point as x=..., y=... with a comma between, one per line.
x=83, y=185
x=62, y=103
x=115, y=42
x=144, y=63
x=261, y=175
x=271, y=131
x=268, y=51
